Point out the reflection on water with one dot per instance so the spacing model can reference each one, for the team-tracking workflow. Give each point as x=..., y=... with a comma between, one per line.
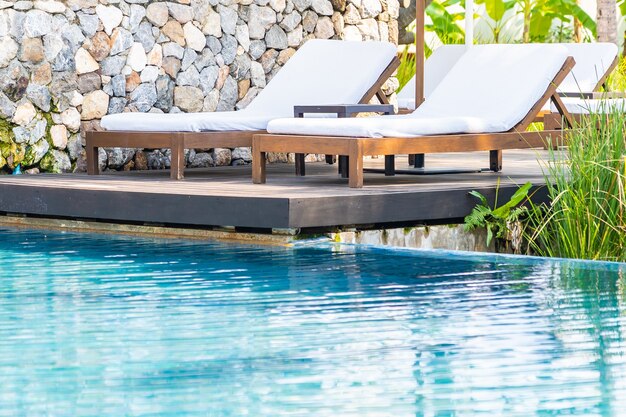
x=109, y=326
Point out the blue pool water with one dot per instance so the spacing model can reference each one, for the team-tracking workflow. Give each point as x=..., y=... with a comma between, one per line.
x=111, y=326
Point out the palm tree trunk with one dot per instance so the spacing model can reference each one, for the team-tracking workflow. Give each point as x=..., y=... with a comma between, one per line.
x=607, y=21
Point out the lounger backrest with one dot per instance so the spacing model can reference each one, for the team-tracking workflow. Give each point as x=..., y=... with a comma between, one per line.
x=593, y=60
x=324, y=72
x=435, y=68
x=495, y=84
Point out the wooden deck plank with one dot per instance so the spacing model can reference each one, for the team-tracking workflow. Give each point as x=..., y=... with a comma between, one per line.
x=225, y=196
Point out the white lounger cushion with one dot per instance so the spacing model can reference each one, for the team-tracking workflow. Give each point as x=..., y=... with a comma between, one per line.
x=435, y=69
x=593, y=60
x=490, y=89
x=593, y=106
x=320, y=72
x=185, y=122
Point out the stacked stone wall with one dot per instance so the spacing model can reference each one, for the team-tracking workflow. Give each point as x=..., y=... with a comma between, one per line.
x=66, y=64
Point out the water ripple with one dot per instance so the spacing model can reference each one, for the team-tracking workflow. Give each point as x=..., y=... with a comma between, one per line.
x=113, y=326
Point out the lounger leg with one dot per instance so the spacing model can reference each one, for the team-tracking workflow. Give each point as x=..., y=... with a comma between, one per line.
x=177, y=164
x=300, y=169
x=390, y=165
x=92, y=160
x=356, y=164
x=343, y=166
x=258, y=163
x=552, y=121
x=417, y=160
x=495, y=160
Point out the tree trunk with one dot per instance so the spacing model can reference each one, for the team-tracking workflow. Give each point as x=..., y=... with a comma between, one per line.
x=578, y=28
x=607, y=21
x=578, y=31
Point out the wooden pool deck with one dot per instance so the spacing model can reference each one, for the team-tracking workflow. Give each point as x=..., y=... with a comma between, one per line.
x=225, y=196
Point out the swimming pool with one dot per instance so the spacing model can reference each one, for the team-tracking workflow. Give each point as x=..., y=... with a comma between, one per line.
x=112, y=326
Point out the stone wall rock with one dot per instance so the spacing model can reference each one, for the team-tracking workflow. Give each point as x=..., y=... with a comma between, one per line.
x=66, y=64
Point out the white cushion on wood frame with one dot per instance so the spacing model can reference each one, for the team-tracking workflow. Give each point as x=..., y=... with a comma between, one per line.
x=593, y=60
x=490, y=89
x=320, y=72
x=435, y=69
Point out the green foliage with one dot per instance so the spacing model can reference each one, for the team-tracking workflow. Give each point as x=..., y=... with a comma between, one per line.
x=406, y=70
x=11, y=153
x=545, y=12
x=587, y=215
x=444, y=23
x=496, y=8
x=496, y=11
x=496, y=219
x=543, y=20
x=617, y=79
x=539, y=17
x=6, y=131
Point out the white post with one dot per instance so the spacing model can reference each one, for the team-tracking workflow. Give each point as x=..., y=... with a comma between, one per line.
x=469, y=23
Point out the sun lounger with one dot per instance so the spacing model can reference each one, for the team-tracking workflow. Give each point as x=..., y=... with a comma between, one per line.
x=485, y=103
x=580, y=90
x=435, y=69
x=594, y=63
x=320, y=72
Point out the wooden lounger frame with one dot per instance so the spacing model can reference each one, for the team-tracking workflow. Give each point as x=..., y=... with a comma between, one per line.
x=358, y=147
x=553, y=120
x=179, y=141
x=601, y=83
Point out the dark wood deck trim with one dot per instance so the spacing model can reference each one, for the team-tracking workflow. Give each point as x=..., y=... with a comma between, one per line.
x=133, y=207
x=419, y=207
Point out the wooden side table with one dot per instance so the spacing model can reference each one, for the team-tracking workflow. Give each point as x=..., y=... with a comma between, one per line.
x=341, y=110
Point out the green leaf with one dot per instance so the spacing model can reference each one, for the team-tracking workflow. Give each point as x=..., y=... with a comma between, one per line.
x=481, y=197
x=540, y=25
x=586, y=20
x=489, y=234
x=622, y=7
x=495, y=8
x=444, y=24
x=477, y=217
x=520, y=195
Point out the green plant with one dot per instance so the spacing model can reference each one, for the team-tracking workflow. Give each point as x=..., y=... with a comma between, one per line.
x=406, y=70
x=538, y=17
x=543, y=13
x=444, y=22
x=586, y=218
x=497, y=15
x=617, y=79
x=497, y=220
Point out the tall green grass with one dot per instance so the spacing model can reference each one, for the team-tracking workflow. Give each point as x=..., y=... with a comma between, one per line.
x=587, y=215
